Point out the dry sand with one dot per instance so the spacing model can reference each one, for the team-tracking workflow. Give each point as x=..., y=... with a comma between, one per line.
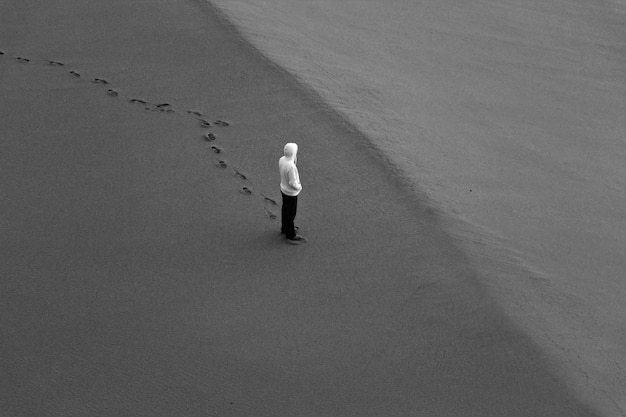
x=138, y=279
x=510, y=115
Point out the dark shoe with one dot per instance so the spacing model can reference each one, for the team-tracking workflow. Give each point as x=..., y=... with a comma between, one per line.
x=296, y=240
x=296, y=227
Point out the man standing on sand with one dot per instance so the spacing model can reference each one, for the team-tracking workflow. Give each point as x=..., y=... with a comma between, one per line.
x=290, y=187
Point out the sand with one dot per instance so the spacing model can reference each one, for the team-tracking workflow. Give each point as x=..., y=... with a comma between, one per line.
x=510, y=116
x=140, y=277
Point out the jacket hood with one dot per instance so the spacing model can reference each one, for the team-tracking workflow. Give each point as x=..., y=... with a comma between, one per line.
x=291, y=151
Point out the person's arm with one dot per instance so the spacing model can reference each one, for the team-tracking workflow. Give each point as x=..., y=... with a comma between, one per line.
x=294, y=180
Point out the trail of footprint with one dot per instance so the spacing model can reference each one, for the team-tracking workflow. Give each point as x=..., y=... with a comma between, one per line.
x=223, y=165
x=269, y=211
x=269, y=203
x=269, y=207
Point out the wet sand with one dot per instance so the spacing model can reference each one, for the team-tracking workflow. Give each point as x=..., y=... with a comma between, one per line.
x=144, y=273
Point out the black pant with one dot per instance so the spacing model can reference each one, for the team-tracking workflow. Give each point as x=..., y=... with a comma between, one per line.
x=290, y=206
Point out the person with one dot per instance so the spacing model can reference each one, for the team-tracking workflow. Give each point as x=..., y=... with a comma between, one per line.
x=290, y=187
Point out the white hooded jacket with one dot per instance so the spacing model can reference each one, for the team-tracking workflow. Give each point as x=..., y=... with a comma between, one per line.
x=289, y=178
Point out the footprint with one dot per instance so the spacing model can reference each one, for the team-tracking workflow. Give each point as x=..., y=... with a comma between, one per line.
x=55, y=63
x=204, y=123
x=112, y=93
x=221, y=123
x=241, y=175
x=195, y=113
x=270, y=200
x=246, y=191
x=270, y=214
x=99, y=81
x=22, y=59
x=163, y=108
x=268, y=210
x=209, y=137
x=1, y=53
x=216, y=149
x=137, y=100
x=222, y=164
x=74, y=74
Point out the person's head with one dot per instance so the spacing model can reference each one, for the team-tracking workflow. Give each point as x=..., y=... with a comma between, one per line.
x=291, y=151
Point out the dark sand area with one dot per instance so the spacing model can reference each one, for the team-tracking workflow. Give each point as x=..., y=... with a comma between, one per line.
x=139, y=280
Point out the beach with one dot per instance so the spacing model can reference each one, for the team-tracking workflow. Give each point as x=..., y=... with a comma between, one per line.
x=144, y=273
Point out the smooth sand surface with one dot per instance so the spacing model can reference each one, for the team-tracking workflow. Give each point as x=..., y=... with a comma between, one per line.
x=138, y=278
